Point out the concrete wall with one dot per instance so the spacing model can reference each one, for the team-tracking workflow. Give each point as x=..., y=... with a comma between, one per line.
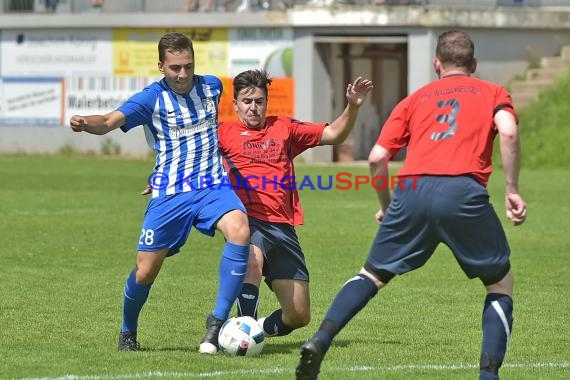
x=49, y=140
x=313, y=87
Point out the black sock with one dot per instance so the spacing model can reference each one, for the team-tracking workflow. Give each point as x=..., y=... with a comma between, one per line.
x=274, y=325
x=248, y=301
x=497, y=323
x=352, y=297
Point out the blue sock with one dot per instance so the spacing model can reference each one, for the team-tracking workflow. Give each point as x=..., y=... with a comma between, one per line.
x=275, y=324
x=232, y=269
x=497, y=324
x=352, y=297
x=135, y=296
x=248, y=300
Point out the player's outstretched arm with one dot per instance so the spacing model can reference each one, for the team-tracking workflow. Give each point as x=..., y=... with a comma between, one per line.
x=510, y=155
x=97, y=124
x=338, y=130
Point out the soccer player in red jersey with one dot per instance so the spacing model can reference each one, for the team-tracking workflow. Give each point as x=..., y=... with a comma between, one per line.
x=448, y=127
x=258, y=151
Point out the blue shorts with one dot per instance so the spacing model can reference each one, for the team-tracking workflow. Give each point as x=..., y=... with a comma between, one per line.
x=168, y=219
x=450, y=210
x=283, y=258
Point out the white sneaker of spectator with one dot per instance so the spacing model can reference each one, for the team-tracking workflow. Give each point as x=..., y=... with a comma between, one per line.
x=245, y=6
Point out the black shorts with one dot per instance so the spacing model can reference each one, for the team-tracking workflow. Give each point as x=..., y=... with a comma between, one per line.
x=282, y=255
x=453, y=210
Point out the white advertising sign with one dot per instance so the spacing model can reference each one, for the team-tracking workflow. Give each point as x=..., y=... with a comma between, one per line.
x=56, y=52
x=89, y=95
x=264, y=48
x=31, y=101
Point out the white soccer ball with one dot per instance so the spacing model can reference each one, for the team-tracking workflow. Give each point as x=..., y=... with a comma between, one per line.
x=241, y=336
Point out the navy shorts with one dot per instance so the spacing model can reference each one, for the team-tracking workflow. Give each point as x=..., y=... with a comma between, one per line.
x=282, y=255
x=453, y=210
x=169, y=218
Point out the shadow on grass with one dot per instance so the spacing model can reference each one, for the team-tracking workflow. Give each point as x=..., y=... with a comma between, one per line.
x=272, y=346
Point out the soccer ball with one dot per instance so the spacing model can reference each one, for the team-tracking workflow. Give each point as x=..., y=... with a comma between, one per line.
x=241, y=336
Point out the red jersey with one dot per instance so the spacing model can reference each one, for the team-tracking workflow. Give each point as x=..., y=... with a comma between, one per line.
x=448, y=127
x=260, y=165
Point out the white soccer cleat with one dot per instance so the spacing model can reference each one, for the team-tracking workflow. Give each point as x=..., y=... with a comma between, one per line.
x=207, y=348
x=209, y=344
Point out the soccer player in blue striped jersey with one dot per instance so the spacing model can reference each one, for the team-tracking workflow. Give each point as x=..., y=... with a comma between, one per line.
x=179, y=116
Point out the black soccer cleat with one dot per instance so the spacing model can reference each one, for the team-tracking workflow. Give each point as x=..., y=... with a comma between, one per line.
x=310, y=360
x=128, y=341
x=209, y=344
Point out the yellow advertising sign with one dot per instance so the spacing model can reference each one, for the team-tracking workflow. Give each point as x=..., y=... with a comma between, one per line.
x=135, y=51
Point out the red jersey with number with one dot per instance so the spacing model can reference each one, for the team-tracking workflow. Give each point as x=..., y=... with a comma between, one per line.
x=448, y=127
x=260, y=165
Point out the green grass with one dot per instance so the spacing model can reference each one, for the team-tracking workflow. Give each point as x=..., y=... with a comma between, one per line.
x=69, y=227
x=544, y=128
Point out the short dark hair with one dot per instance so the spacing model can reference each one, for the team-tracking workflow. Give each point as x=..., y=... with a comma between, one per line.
x=173, y=42
x=455, y=48
x=252, y=79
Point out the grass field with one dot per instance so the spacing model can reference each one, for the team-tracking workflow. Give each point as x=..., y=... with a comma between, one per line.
x=69, y=227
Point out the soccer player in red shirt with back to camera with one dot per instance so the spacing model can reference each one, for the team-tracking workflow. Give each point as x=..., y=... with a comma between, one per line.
x=258, y=151
x=448, y=127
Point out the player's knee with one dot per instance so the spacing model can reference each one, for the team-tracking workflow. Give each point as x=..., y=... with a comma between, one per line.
x=145, y=275
x=242, y=231
x=239, y=233
x=235, y=227
x=502, y=282
x=146, y=270
x=380, y=277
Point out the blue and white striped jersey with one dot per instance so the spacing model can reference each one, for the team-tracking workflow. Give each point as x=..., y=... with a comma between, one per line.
x=182, y=130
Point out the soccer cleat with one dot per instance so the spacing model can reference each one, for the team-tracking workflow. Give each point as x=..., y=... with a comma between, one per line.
x=310, y=360
x=209, y=344
x=128, y=341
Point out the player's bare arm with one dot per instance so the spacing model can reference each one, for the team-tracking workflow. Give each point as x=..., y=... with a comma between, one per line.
x=378, y=161
x=510, y=155
x=338, y=130
x=97, y=124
